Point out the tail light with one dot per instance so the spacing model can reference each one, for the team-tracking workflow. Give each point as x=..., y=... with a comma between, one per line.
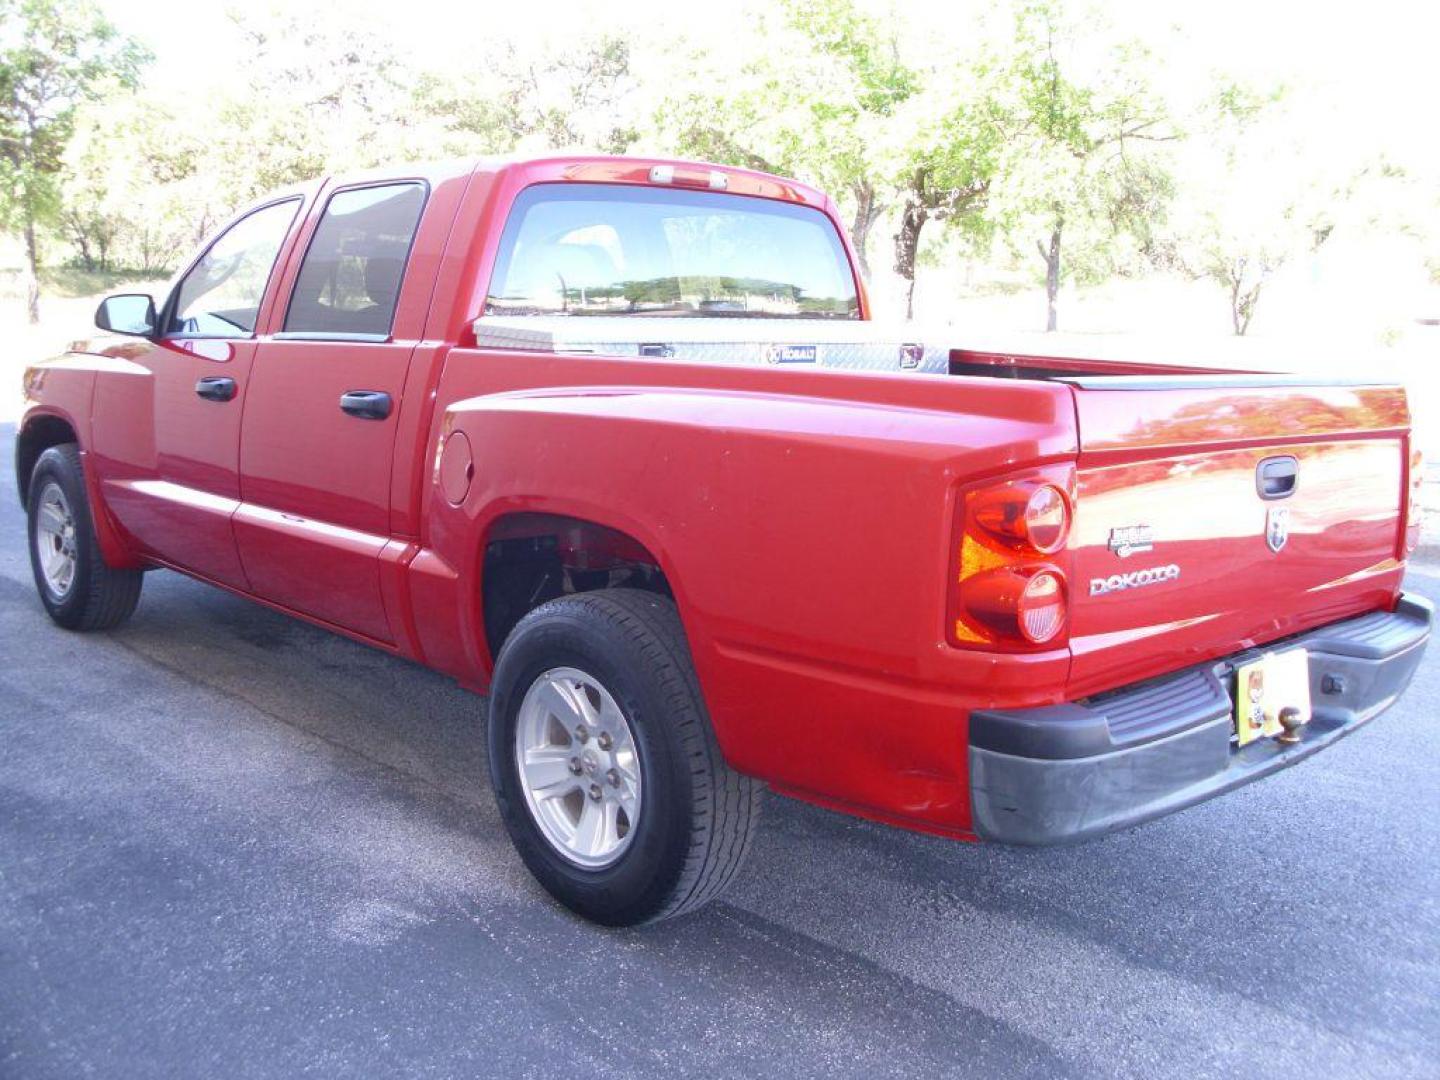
x=1008, y=588
x=1025, y=515
x=1414, y=512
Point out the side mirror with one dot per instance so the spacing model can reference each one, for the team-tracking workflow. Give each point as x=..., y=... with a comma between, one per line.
x=128, y=313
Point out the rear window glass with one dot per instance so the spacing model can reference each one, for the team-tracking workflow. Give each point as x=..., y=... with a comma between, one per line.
x=609, y=249
x=350, y=279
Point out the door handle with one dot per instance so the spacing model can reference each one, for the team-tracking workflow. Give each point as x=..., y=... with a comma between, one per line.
x=216, y=388
x=366, y=404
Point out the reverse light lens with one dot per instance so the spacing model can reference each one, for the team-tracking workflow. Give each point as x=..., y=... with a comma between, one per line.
x=1016, y=604
x=1029, y=515
x=1042, y=607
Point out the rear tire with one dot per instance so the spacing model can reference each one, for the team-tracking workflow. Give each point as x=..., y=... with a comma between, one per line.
x=615, y=663
x=78, y=590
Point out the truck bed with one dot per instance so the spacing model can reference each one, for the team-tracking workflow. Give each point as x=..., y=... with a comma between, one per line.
x=1169, y=451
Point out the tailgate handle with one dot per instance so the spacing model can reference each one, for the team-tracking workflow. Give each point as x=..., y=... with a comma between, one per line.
x=1276, y=477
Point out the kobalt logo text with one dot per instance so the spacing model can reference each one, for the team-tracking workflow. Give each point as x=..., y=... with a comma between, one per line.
x=1154, y=575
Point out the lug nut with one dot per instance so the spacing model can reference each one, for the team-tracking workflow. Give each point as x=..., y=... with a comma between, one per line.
x=582, y=733
x=613, y=777
x=595, y=792
x=575, y=765
x=604, y=740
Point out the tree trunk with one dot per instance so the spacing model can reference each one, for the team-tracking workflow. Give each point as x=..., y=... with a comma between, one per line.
x=1051, y=255
x=867, y=212
x=32, y=267
x=907, y=244
x=82, y=245
x=1242, y=307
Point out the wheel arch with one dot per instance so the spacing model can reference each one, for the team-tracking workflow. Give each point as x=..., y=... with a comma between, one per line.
x=44, y=427
x=39, y=432
x=527, y=557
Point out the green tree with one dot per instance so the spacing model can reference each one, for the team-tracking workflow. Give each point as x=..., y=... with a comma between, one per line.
x=315, y=94
x=824, y=102
x=56, y=54
x=855, y=124
x=575, y=95
x=128, y=199
x=951, y=164
x=1259, y=195
x=1081, y=174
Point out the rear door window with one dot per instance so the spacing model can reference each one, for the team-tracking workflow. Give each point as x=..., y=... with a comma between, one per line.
x=350, y=279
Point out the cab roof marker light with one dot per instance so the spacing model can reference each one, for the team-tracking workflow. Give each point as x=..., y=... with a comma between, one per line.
x=662, y=174
x=718, y=180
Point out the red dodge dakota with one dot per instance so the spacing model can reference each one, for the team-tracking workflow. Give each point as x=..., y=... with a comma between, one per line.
x=616, y=442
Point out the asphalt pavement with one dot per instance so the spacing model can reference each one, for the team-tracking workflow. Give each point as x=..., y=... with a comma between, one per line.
x=233, y=845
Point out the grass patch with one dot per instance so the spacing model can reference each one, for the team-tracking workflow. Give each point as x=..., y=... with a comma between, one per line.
x=70, y=282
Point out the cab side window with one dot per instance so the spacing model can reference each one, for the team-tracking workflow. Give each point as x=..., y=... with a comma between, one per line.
x=350, y=280
x=220, y=296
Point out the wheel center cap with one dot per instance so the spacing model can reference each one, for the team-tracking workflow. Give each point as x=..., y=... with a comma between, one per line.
x=589, y=763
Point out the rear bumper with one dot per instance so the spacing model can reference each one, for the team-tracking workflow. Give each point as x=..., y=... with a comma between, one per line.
x=1071, y=772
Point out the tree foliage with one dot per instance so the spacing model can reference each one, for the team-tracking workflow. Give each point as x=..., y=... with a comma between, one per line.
x=1246, y=212
x=1034, y=144
x=54, y=56
x=1084, y=185
x=824, y=103
x=571, y=95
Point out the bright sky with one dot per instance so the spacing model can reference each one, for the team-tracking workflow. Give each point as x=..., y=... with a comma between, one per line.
x=1382, y=45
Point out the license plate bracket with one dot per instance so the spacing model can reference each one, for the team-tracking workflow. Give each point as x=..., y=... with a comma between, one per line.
x=1264, y=687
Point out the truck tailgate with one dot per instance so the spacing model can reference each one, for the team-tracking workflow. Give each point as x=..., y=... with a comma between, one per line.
x=1180, y=557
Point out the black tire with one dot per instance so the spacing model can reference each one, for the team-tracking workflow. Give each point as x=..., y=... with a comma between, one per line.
x=96, y=597
x=697, y=816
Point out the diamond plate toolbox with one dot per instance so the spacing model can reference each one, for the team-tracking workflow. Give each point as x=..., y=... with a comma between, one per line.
x=825, y=343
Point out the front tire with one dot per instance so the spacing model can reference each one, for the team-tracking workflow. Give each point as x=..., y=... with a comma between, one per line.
x=78, y=590
x=605, y=769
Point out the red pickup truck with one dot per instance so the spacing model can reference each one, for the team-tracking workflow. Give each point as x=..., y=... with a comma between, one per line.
x=615, y=441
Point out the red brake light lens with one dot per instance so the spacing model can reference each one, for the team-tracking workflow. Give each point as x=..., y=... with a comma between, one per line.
x=1036, y=516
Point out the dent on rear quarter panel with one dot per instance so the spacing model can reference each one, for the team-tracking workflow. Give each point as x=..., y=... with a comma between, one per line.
x=805, y=527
